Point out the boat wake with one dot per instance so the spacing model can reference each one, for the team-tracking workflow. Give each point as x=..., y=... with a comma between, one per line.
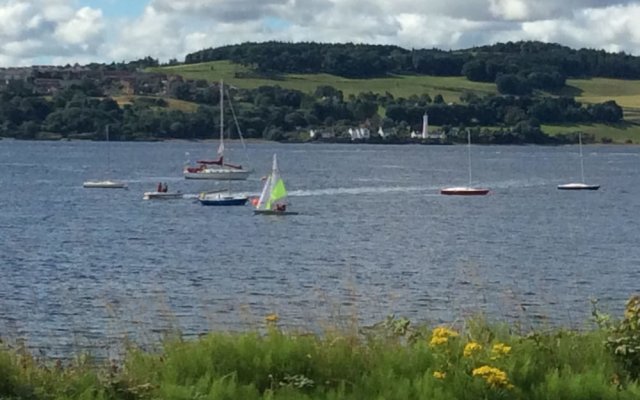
x=360, y=190
x=515, y=183
x=155, y=179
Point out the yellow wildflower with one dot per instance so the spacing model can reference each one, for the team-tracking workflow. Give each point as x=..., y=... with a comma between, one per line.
x=439, y=374
x=495, y=377
x=441, y=335
x=444, y=332
x=438, y=340
x=272, y=318
x=632, y=308
x=500, y=350
x=470, y=348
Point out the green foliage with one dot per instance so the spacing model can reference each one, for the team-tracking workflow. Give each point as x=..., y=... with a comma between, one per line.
x=624, y=340
x=393, y=359
x=542, y=65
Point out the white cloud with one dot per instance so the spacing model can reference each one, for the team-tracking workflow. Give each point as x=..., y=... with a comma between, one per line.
x=32, y=32
x=61, y=30
x=84, y=28
x=12, y=17
x=510, y=9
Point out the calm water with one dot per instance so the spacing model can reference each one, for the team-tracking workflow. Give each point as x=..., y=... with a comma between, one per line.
x=82, y=267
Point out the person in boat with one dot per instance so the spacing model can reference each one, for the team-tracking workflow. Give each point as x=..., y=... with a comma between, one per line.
x=281, y=207
x=159, y=188
x=165, y=188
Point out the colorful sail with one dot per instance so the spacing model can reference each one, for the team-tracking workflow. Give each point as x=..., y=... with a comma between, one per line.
x=279, y=192
x=274, y=189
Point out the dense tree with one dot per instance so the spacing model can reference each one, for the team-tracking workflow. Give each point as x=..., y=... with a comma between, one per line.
x=476, y=70
x=482, y=63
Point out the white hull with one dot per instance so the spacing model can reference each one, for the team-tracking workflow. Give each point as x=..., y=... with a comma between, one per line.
x=464, y=191
x=219, y=174
x=108, y=184
x=578, y=186
x=162, y=196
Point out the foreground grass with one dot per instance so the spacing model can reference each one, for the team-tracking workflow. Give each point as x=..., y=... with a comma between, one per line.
x=390, y=361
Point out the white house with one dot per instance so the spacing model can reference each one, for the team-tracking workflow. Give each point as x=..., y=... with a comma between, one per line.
x=359, y=133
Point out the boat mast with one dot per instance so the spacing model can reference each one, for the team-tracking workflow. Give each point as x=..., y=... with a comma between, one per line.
x=469, y=154
x=108, y=149
x=221, y=147
x=581, y=160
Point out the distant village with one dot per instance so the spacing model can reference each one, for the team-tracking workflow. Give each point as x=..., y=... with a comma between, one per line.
x=364, y=133
x=48, y=80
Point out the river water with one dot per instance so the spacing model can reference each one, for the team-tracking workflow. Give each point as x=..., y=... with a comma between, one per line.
x=87, y=268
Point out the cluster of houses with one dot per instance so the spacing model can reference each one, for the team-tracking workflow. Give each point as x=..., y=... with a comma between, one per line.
x=48, y=79
x=364, y=133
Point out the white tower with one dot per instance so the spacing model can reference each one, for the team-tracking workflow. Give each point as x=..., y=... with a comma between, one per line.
x=425, y=126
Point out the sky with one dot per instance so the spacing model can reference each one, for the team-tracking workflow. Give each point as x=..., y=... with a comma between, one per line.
x=59, y=32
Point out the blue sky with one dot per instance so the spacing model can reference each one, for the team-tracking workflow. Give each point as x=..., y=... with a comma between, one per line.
x=116, y=8
x=82, y=31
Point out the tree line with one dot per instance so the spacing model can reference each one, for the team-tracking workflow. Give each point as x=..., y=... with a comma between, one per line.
x=517, y=68
x=271, y=112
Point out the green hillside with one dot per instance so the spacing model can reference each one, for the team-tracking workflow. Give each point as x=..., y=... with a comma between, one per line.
x=596, y=90
x=625, y=92
x=399, y=86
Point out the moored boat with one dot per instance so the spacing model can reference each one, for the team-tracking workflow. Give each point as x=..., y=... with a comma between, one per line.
x=105, y=184
x=579, y=185
x=218, y=169
x=464, y=191
x=222, y=198
x=162, y=196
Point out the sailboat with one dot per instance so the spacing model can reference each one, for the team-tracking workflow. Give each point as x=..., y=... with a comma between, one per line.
x=581, y=185
x=273, y=198
x=222, y=198
x=218, y=169
x=466, y=190
x=106, y=183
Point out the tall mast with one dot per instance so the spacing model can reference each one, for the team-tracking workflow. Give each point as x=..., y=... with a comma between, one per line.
x=581, y=160
x=469, y=154
x=221, y=147
x=108, y=149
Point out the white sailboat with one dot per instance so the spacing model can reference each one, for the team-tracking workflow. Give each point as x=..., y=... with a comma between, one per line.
x=106, y=183
x=466, y=190
x=218, y=169
x=273, y=198
x=579, y=185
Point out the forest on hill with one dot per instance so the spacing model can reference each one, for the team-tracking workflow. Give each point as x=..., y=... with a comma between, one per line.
x=516, y=67
x=527, y=74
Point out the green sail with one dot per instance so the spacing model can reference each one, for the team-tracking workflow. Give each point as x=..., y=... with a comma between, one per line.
x=278, y=192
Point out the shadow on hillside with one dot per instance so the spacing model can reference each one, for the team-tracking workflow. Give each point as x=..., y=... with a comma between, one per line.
x=569, y=91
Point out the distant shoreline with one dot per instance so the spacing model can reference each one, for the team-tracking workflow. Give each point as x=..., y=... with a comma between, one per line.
x=321, y=141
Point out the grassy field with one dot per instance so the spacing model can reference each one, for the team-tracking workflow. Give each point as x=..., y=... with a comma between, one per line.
x=391, y=360
x=618, y=133
x=625, y=93
x=399, y=86
x=185, y=106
